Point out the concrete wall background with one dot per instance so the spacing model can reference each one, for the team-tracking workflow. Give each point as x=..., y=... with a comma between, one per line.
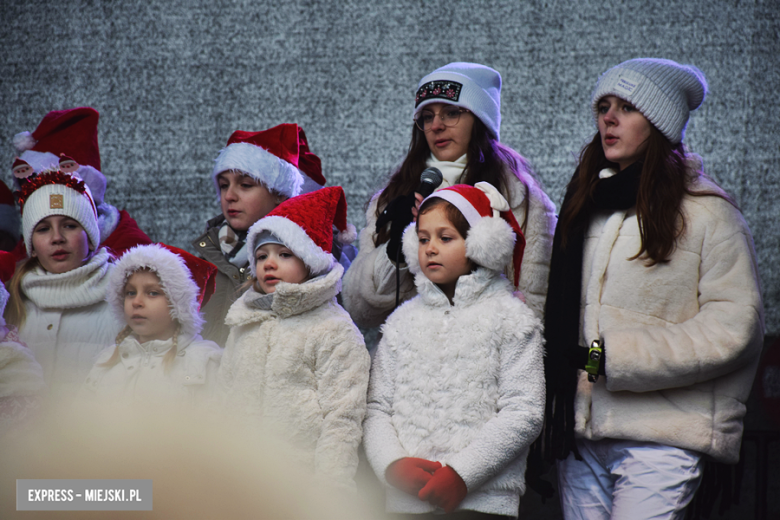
x=172, y=80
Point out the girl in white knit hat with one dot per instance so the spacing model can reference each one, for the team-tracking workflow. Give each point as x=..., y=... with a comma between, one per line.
x=456, y=129
x=654, y=320
x=456, y=395
x=159, y=358
x=294, y=362
x=58, y=294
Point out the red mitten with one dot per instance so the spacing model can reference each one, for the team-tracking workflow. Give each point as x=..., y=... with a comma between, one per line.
x=410, y=474
x=446, y=489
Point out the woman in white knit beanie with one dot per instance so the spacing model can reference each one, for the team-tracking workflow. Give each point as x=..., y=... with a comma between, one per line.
x=654, y=320
x=456, y=129
x=58, y=294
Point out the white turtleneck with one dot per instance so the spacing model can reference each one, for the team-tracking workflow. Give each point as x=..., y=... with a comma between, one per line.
x=68, y=321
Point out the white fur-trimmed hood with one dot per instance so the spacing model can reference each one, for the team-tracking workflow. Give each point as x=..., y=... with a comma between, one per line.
x=180, y=289
x=490, y=243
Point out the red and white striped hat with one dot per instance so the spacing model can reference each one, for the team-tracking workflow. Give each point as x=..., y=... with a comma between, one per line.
x=495, y=238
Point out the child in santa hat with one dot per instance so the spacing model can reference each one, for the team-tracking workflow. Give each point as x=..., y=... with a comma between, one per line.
x=159, y=357
x=457, y=386
x=57, y=295
x=294, y=361
x=252, y=175
x=68, y=140
x=21, y=377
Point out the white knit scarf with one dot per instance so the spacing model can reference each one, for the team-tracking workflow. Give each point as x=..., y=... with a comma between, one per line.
x=85, y=285
x=452, y=171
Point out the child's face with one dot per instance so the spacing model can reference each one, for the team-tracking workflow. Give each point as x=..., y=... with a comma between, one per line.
x=147, y=310
x=442, y=250
x=60, y=244
x=244, y=201
x=276, y=263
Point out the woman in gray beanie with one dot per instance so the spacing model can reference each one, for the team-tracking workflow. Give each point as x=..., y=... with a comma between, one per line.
x=457, y=121
x=654, y=320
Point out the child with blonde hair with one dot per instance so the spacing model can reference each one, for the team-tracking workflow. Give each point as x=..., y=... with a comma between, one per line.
x=456, y=395
x=159, y=356
x=295, y=365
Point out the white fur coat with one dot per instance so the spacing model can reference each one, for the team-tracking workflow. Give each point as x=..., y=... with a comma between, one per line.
x=369, y=284
x=461, y=384
x=682, y=338
x=301, y=370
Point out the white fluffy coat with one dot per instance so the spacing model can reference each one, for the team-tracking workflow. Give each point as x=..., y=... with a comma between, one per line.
x=301, y=370
x=462, y=384
x=682, y=338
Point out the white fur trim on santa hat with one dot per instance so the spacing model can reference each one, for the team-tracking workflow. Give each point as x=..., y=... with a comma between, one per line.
x=175, y=278
x=295, y=238
x=347, y=236
x=489, y=243
x=274, y=173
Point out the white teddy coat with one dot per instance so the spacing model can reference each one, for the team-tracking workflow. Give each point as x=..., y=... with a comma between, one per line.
x=140, y=377
x=462, y=384
x=369, y=284
x=682, y=339
x=301, y=370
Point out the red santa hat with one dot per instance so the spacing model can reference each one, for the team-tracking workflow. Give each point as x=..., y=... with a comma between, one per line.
x=7, y=267
x=279, y=158
x=494, y=239
x=9, y=215
x=187, y=280
x=305, y=224
x=72, y=132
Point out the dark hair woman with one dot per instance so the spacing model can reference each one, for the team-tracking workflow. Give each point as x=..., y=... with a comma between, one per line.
x=457, y=129
x=654, y=318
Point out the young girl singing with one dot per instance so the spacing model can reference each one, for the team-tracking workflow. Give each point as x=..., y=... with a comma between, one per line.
x=294, y=362
x=159, y=357
x=457, y=389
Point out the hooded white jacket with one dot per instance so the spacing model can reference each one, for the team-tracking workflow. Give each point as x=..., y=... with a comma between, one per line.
x=462, y=384
x=300, y=368
x=682, y=338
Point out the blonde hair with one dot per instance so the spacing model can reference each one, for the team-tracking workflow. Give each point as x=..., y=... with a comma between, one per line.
x=16, y=311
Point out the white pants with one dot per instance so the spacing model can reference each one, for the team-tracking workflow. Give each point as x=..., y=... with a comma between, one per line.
x=620, y=479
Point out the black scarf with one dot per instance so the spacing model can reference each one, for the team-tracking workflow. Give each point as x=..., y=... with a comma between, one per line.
x=562, y=310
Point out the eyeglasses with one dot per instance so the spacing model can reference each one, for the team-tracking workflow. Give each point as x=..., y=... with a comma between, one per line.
x=449, y=116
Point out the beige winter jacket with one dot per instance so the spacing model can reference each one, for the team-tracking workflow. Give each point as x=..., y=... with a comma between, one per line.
x=682, y=338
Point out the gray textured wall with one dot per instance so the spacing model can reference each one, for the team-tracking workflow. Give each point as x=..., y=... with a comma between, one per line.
x=172, y=79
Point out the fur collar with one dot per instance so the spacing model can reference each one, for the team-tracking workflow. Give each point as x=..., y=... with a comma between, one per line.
x=468, y=290
x=289, y=299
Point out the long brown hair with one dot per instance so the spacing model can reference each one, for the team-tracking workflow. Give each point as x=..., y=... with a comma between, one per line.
x=487, y=160
x=664, y=181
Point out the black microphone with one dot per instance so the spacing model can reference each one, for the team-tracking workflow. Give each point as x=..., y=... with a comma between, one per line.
x=430, y=179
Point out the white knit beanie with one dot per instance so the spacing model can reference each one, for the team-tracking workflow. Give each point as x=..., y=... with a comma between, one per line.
x=57, y=193
x=664, y=91
x=468, y=85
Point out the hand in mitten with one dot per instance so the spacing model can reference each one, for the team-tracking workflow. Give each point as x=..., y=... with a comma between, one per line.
x=410, y=474
x=446, y=489
x=399, y=214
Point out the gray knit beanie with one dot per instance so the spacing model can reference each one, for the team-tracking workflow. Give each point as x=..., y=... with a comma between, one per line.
x=468, y=85
x=664, y=91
